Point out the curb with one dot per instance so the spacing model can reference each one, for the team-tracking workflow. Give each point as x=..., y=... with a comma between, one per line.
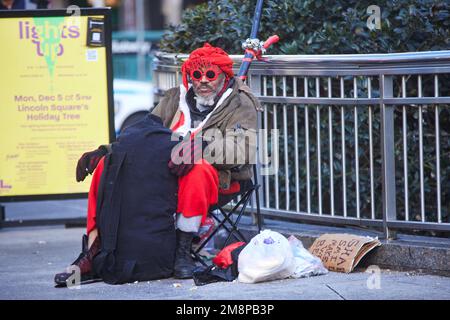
x=421, y=255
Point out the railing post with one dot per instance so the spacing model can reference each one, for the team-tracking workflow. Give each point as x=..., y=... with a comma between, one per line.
x=388, y=157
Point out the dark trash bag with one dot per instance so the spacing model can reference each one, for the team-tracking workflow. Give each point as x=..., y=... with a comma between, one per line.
x=206, y=275
x=135, y=206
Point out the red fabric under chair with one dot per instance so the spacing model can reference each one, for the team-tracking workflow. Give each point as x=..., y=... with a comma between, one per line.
x=197, y=191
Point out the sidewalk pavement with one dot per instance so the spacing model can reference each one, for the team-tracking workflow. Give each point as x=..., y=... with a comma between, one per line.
x=29, y=258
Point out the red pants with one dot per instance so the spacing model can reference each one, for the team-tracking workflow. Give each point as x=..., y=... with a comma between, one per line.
x=197, y=191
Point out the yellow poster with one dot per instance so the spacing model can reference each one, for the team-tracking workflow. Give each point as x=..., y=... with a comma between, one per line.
x=53, y=104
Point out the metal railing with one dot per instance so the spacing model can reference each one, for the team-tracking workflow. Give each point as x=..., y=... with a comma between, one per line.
x=363, y=139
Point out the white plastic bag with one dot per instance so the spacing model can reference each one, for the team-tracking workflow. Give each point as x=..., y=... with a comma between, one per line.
x=306, y=265
x=267, y=257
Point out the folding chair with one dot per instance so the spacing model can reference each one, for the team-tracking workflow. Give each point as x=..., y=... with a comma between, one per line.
x=224, y=217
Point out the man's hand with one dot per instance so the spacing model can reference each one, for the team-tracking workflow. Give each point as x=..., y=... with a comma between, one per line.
x=89, y=161
x=185, y=155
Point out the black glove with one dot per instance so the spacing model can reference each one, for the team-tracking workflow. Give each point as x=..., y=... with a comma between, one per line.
x=194, y=149
x=89, y=161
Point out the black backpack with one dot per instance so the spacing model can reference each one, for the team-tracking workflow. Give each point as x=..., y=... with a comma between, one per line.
x=206, y=275
x=136, y=205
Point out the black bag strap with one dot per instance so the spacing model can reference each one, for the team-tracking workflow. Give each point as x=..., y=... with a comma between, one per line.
x=110, y=223
x=101, y=185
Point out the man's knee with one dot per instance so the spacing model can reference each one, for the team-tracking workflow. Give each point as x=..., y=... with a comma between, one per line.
x=202, y=174
x=203, y=168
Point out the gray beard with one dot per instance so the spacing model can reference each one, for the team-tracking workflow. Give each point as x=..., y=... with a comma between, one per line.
x=205, y=102
x=210, y=101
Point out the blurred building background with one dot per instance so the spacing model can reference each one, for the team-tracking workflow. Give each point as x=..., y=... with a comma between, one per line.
x=128, y=14
x=137, y=26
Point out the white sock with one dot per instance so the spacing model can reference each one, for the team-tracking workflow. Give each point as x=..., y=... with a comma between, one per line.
x=188, y=224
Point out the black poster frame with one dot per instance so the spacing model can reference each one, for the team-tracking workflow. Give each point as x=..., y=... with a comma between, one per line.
x=106, y=13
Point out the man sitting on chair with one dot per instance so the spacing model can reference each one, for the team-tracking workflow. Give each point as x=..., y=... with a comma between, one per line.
x=212, y=105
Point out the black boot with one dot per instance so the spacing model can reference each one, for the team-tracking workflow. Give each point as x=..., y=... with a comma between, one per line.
x=83, y=262
x=184, y=264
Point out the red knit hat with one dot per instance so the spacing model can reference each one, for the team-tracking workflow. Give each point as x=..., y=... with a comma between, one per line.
x=204, y=57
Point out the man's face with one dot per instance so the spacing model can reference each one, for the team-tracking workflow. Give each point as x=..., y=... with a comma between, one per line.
x=207, y=81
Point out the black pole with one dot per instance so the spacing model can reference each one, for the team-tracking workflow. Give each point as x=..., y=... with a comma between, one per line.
x=256, y=19
x=2, y=215
x=259, y=218
x=243, y=75
x=255, y=26
x=41, y=4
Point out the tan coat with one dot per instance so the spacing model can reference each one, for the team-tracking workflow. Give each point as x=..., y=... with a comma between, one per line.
x=235, y=118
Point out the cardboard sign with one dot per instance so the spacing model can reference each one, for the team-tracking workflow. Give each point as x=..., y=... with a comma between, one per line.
x=342, y=252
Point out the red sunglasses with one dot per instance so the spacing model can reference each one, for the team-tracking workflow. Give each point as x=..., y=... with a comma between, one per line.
x=210, y=74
